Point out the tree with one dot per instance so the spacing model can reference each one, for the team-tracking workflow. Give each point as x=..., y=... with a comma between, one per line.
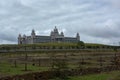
x=116, y=58
x=81, y=44
x=15, y=63
x=115, y=62
x=59, y=68
x=26, y=58
x=39, y=61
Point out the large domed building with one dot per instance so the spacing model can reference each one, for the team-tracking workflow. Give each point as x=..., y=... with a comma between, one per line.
x=55, y=36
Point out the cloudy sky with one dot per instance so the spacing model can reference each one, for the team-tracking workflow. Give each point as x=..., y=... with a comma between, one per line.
x=97, y=21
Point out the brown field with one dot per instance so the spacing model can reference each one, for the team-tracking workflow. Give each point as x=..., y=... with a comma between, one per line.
x=37, y=62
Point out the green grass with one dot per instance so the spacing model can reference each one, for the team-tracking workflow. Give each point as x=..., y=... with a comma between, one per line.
x=114, y=75
x=92, y=77
x=102, y=76
x=94, y=44
x=9, y=69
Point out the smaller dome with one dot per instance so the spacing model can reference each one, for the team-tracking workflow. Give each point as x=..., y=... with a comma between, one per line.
x=77, y=34
x=52, y=33
x=24, y=36
x=19, y=35
x=33, y=32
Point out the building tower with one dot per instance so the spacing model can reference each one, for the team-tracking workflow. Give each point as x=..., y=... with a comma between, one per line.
x=52, y=36
x=62, y=34
x=56, y=33
x=33, y=34
x=78, y=37
x=24, y=39
x=19, y=39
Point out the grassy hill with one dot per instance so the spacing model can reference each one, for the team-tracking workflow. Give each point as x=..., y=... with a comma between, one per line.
x=56, y=46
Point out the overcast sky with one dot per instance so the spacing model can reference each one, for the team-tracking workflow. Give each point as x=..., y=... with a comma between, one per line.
x=97, y=21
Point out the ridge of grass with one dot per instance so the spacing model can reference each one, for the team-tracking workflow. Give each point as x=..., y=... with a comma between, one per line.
x=101, y=76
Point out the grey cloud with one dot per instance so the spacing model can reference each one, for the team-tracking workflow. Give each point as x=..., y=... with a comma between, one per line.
x=115, y=3
x=89, y=18
x=108, y=30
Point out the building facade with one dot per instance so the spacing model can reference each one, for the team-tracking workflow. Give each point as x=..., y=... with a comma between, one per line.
x=55, y=36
